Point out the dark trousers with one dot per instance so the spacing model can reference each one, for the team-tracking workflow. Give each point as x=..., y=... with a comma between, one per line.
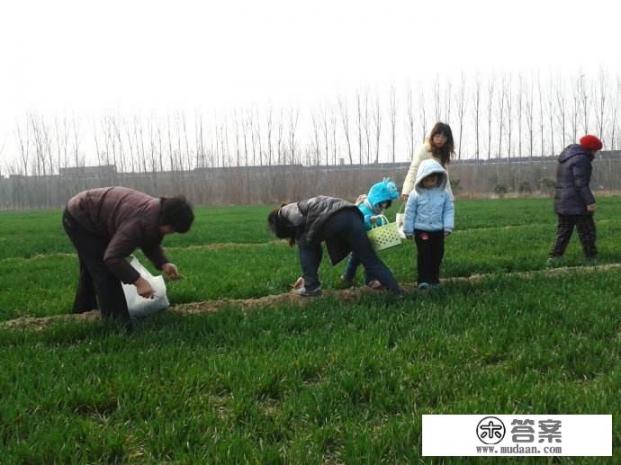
x=586, y=232
x=353, y=262
x=430, y=251
x=97, y=286
x=347, y=227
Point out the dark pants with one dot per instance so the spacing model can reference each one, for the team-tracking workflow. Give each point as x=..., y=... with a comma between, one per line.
x=353, y=262
x=586, y=232
x=430, y=251
x=347, y=227
x=97, y=287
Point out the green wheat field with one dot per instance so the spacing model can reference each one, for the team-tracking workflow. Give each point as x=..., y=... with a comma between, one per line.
x=331, y=382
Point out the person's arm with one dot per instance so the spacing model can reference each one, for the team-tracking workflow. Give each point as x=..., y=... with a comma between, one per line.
x=410, y=215
x=448, y=187
x=156, y=255
x=410, y=179
x=448, y=219
x=126, y=239
x=368, y=223
x=582, y=177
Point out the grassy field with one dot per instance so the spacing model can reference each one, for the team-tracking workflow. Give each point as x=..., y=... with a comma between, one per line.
x=331, y=382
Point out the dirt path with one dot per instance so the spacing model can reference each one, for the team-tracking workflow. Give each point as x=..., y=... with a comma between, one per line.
x=210, y=306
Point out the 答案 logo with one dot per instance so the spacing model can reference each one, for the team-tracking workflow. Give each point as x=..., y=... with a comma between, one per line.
x=491, y=430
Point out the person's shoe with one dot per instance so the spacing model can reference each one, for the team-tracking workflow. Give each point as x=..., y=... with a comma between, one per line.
x=303, y=292
x=299, y=283
x=423, y=286
x=554, y=262
x=77, y=311
x=375, y=285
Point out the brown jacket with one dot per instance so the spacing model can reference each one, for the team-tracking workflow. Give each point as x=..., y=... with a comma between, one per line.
x=126, y=219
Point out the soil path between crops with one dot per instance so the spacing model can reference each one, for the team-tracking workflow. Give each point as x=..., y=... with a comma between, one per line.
x=210, y=306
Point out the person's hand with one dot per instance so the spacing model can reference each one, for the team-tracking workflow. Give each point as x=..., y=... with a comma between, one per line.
x=374, y=219
x=170, y=271
x=591, y=208
x=405, y=196
x=144, y=288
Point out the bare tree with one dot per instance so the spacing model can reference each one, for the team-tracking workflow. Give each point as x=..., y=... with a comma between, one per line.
x=477, y=111
x=325, y=133
x=509, y=97
x=490, y=108
x=541, y=117
x=244, y=126
x=461, y=107
x=561, y=110
x=259, y=140
x=294, y=116
x=253, y=138
x=530, y=118
x=269, y=135
x=345, y=122
x=584, y=100
x=601, y=101
x=23, y=139
x=334, y=144
x=575, y=109
x=377, y=120
x=423, y=113
x=520, y=95
x=501, y=114
x=436, y=99
x=392, y=115
x=367, y=127
x=279, y=146
x=551, y=112
x=359, y=113
x=615, y=105
x=448, y=101
x=316, y=147
x=410, y=122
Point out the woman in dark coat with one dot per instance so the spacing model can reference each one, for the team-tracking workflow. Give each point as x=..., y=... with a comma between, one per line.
x=574, y=202
x=340, y=225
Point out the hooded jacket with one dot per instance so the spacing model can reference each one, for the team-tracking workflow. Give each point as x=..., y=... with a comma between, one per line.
x=429, y=209
x=422, y=153
x=573, y=175
x=384, y=191
x=308, y=217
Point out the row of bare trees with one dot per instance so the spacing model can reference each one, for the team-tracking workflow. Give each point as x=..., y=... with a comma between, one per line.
x=499, y=116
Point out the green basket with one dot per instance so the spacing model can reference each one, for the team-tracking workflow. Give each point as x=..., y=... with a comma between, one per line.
x=386, y=236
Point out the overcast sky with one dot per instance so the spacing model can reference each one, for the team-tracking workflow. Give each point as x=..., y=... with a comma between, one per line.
x=90, y=57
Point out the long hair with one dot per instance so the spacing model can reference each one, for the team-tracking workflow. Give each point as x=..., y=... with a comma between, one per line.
x=444, y=153
x=280, y=226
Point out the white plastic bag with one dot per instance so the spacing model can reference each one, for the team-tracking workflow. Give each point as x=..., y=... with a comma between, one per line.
x=137, y=305
x=399, y=220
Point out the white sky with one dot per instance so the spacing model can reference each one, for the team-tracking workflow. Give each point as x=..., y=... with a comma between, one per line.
x=91, y=57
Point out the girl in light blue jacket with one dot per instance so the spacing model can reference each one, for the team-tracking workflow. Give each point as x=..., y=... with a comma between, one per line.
x=429, y=217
